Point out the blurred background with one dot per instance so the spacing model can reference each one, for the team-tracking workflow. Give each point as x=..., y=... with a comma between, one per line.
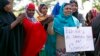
x=84, y=5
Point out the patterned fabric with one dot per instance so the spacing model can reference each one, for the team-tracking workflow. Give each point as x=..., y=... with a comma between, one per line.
x=62, y=52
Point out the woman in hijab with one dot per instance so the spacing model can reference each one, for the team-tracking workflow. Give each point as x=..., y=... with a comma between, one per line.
x=43, y=10
x=45, y=19
x=75, y=13
x=11, y=31
x=35, y=34
x=64, y=19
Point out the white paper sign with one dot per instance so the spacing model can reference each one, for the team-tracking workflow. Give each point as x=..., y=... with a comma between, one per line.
x=78, y=39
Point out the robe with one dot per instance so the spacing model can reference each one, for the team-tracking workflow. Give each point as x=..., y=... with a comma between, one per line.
x=11, y=40
x=35, y=37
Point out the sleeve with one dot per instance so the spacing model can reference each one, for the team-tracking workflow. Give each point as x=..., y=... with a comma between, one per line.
x=27, y=24
x=81, y=19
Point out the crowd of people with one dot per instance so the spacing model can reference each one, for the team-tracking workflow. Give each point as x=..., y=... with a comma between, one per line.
x=26, y=35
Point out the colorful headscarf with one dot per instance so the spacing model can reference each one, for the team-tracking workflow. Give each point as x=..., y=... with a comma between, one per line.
x=40, y=7
x=32, y=7
x=61, y=21
x=56, y=9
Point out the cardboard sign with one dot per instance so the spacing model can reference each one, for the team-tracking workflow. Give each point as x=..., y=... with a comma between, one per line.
x=78, y=39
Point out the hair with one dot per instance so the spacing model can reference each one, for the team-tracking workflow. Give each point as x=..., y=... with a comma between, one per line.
x=74, y=2
x=40, y=7
x=75, y=13
x=87, y=15
x=91, y=17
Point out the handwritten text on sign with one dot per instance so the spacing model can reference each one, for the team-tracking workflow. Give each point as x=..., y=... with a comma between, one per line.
x=78, y=39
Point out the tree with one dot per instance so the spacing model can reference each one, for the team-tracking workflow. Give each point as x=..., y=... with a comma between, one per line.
x=12, y=2
x=96, y=4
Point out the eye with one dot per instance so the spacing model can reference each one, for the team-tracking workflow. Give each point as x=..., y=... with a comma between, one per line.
x=68, y=8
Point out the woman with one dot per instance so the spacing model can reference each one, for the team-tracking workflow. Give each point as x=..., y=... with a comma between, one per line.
x=45, y=20
x=11, y=31
x=35, y=35
x=89, y=19
x=75, y=13
x=42, y=11
x=64, y=19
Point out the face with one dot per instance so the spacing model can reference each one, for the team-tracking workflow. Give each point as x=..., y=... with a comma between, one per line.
x=67, y=10
x=30, y=12
x=8, y=8
x=44, y=10
x=74, y=7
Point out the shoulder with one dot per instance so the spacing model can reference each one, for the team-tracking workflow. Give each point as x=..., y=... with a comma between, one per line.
x=76, y=21
x=74, y=18
x=80, y=15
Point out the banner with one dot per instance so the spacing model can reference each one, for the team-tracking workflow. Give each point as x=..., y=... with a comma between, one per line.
x=78, y=39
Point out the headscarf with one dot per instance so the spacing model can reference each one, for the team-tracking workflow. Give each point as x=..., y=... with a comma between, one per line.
x=3, y=3
x=75, y=13
x=56, y=9
x=40, y=7
x=30, y=6
x=60, y=21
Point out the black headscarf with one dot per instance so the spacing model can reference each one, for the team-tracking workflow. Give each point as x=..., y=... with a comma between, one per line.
x=10, y=39
x=3, y=3
x=75, y=13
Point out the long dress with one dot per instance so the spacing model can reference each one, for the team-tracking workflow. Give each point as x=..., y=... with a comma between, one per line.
x=40, y=19
x=11, y=40
x=49, y=49
x=61, y=21
x=35, y=37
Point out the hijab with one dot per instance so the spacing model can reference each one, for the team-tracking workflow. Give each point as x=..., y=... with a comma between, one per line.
x=40, y=7
x=61, y=21
x=3, y=3
x=30, y=6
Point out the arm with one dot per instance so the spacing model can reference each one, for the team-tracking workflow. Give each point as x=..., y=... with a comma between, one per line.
x=17, y=21
x=81, y=19
x=50, y=28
